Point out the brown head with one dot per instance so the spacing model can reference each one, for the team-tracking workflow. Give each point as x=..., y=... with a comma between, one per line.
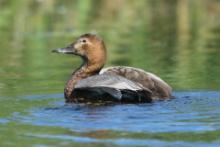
x=90, y=47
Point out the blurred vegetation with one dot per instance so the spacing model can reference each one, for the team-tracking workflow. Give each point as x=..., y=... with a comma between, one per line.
x=176, y=39
x=179, y=40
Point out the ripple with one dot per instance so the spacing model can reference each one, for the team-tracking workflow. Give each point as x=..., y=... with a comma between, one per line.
x=189, y=111
x=126, y=141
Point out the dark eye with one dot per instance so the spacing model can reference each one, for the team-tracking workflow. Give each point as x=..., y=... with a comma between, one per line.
x=84, y=41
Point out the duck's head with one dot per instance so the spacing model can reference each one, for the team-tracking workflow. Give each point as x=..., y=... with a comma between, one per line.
x=88, y=46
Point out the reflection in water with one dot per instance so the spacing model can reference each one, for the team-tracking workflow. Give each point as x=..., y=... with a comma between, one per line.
x=168, y=40
x=124, y=141
x=165, y=122
x=196, y=111
x=177, y=40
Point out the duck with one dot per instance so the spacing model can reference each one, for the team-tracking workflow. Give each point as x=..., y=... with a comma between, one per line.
x=91, y=83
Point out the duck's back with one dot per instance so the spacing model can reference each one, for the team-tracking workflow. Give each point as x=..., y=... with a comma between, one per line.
x=158, y=87
x=113, y=88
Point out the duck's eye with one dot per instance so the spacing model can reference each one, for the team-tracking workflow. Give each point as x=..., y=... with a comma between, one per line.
x=84, y=41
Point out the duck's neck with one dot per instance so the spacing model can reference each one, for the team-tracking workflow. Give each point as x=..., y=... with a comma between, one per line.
x=85, y=70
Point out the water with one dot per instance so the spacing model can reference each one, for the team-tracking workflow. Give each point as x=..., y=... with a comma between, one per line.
x=177, y=40
x=192, y=118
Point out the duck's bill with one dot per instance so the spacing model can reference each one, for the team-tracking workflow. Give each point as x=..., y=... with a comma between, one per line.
x=64, y=50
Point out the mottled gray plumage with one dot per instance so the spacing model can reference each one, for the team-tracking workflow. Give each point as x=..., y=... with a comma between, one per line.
x=159, y=88
x=107, y=87
x=108, y=80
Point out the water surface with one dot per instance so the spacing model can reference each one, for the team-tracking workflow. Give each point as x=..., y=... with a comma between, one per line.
x=177, y=40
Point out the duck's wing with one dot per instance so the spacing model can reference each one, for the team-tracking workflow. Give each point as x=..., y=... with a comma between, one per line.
x=159, y=88
x=112, y=88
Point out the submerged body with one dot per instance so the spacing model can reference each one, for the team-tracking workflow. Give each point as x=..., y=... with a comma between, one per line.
x=91, y=83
